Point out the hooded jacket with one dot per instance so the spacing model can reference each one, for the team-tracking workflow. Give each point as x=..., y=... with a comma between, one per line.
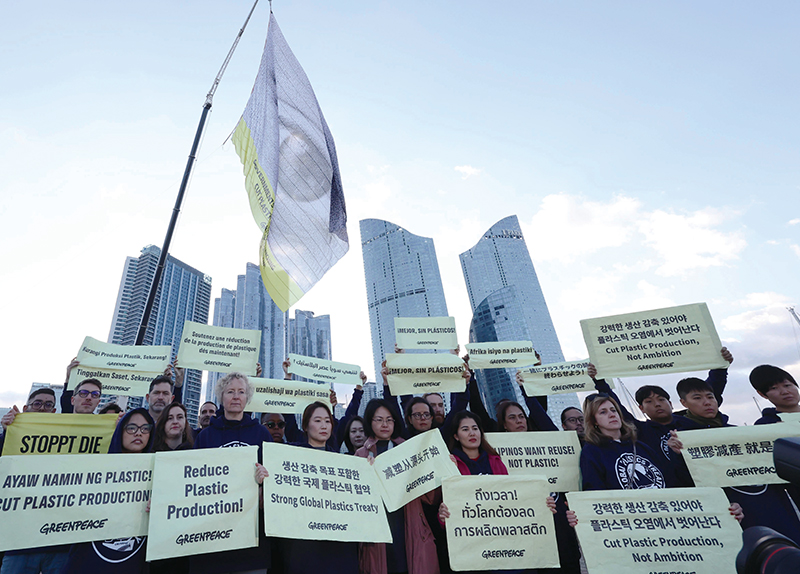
x=769, y=416
x=610, y=466
x=222, y=432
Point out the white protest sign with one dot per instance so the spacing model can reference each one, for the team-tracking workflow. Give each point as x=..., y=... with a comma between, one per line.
x=501, y=355
x=323, y=370
x=425, y=332
x=219, y=349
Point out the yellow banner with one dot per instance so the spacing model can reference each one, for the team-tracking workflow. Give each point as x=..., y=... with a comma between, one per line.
x=50, y=433
x=323, y=370
x=115, y=382
x=790, y=417
x=671, y=340
x=558, y=378
x=70, y=499
x=281, y=396
x=413, y=468
x=656, y=530
x=554, y=455
x=733, y=456
x=425, y=373
x=219, y=349
x=425, y=332
x=499, y=523
x=501, y=355
x=203, y=502
x=322, y=495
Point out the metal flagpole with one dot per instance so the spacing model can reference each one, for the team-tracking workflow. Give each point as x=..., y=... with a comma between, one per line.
x=151, y=297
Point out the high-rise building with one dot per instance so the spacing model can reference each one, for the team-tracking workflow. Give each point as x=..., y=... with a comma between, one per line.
x=224, y=310
x=310, y=336
x=500, y=260
x=183, y=295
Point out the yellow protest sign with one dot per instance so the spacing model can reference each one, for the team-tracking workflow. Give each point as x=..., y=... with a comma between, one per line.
x=499, y=523
x=558, y=378
x=219, y=349
x=554, y=455
x=413, y=468
x=323, y=370
x=122, y=369
x=329, y=496
x=789, y=417
x=671, y=340
x=425, y=373
x=203, y=503
x=282, y=396
x=50, y=433
x=733, y=456
x=46, y=501
x=425, y=332
x=656, y=530
x=501, y=355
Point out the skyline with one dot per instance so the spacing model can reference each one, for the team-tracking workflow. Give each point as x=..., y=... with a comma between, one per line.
x=649, y=152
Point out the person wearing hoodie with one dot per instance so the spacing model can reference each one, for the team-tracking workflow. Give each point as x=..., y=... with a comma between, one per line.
x=134, y=434
x=779, y=388
x=233, y=429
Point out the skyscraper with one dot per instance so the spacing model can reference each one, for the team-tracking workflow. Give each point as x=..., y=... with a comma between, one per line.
x=224, y=310
x=310, y=335
x=403, y=280
x=183, y=295
x=500, y=260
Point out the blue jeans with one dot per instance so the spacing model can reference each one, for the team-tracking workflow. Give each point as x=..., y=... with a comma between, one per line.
x=34, y=562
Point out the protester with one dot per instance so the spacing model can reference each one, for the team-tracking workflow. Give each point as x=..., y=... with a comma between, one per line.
x=352, y=410
x=572, y=419
x=207, y=411
x=134, y=434
x=276, y=425
x=420, y=415
x=172, y=429
x=354, y=435
x=413, y=549
x=86, y=396
x=779, y=388
x=110, y=408
x=159, y=396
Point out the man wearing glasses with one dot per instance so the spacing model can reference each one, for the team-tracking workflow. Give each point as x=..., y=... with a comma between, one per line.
x=86, y=396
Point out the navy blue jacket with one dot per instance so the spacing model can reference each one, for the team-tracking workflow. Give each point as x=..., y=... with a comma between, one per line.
x=769, y=416
x=222, y=432
x=610, y=467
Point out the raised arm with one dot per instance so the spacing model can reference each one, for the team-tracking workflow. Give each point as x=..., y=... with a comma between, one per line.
x=541, y=420
x=718, y=378
x=603, y=387
x=352, y=408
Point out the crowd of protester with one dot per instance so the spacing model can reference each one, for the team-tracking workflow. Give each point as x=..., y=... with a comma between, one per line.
x=650, y=451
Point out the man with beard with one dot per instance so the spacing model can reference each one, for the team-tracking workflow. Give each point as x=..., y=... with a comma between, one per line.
x=159, y=396
x=208, y=410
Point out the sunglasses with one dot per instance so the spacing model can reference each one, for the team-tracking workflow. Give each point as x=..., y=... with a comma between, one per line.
x=273, y=424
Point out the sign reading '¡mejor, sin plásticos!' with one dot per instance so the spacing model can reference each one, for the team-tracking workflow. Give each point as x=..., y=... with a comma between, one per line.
x=425, y=332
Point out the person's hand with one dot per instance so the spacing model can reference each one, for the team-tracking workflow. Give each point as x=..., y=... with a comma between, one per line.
x=551, y=504
x=333, y=399
x=572, y=518
x=384, y=373
x=465, y=358
x=454, y=459
x=591, y=370
x=120, y=416
x=9, y=417
x=518, y=378
x=674, y=442
x=286, y=364
x=72, y=364
x=456, y=351
x=726, y=354
x=737, y=512
x=538, y=358
x=371, y=458
x=259, y=370
x=466, y=373
x=180, y=373
x=147, y=508
x=398, y=349
x=363, y=376
x=444, y=513
x=261, y=473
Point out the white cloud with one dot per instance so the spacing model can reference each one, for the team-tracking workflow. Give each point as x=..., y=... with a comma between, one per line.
x=467, y=171
x=794, y=221
x=795, y=248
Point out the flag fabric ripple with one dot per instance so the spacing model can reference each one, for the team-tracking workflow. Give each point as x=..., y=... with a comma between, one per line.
x=291, y=175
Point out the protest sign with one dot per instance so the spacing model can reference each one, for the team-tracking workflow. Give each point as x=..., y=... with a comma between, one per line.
x=50, y=433
x=554, y=455
x=790, y=417
x=425, y=373
x=46, y=501
x=656, y=530
x=219, y=349
x=203, y=502
x=413, y=468
x=501, y=355
x=325, y=371
x=499, y=523
x=558, y=378
x=283, y=396
x=122, y=369
x=733, y=456
x=329, y=496
x=425, y=332
x=671, y=340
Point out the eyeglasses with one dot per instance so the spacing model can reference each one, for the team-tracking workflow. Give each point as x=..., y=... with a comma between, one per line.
x=380, y=421
x=419, y=416
x=83, y=394
x=574, y=420
x=133, y=429
x=47, y=405
x=273, y=424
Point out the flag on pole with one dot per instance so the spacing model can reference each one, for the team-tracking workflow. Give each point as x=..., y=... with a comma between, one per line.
x=291, y=175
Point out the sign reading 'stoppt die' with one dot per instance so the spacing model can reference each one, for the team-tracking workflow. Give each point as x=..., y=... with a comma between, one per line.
x=425, y=332
x=50, y=433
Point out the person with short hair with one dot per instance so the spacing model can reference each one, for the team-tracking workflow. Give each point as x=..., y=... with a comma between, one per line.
x=86, y=396
x=573, y=420
x=779, y=388
x=159, y=396
x=110, y=408
x=208, y=410
x=276, y=425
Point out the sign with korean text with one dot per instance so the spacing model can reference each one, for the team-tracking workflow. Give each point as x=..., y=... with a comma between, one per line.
x=671, y=340
x=425, y=332
x=122, y=369
x=329, y=496
x=282, y=396
x=558, y=378
x=323, y=370
x=425, y=373
x=203, y=503
x=50, y=433
x=413, y=468
x=499, y=523
x=656, y=530
x=219, y=349
x=47, y=501
x=733, y=456
x=554, y=455
x=501, y=355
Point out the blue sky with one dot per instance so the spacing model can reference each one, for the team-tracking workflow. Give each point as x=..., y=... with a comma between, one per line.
x=649, y=151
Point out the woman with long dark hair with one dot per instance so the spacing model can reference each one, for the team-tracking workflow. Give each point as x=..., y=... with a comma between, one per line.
x=354, y=435
x=172, y=429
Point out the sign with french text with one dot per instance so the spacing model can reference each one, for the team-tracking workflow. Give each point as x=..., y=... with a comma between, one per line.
x=554, y=455
x=656, y=530
x=671, y=340
x=323, y=370
x=558, y=378
x=284, y=396
x=425, y=332
x=501, y=355
x=219, y=349
x=51, y=433
x=425, y=373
